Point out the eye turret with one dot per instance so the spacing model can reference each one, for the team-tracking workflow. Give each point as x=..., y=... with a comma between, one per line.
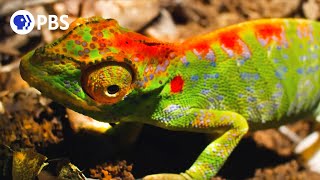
x=107, y=82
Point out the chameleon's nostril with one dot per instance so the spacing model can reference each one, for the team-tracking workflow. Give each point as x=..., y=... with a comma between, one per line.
x=40, y=50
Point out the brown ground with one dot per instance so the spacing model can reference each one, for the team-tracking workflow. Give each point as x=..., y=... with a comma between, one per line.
x=29, y=120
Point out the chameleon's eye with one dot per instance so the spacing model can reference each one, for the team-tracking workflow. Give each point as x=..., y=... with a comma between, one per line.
x=107, y=82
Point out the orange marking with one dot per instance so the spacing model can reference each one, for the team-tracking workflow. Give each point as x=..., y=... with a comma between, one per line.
x=142, y=46
x=268, y=31
x=231, y=40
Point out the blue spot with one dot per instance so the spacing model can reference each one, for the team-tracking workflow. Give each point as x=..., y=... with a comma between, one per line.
x=275, y=60
x=278, y=75
x=240, y=95
x=262, y=41
x=211, y=76
x=220, y=98
x=284, y=69
x=210, y=56
x=276, y=95
x=251, y=99
x=229, y=52
x=275, y=106
x=260, y=106
x=246, y=55
x=151, y=76
x=300, y=71
x=243, y=76
x=184, y=61
x=213, y=64
x=315, y=56
x=171, y=108
x=194, y=78
x=210, y=99
x=215, y=86
x=279, y=85
x=145, y=79
x=205, y=91
x=241, y=61
x=285, y=56
x=249, y=89
x=248, y=76
x=303, y=58
x=256, y=76
x=278, y=47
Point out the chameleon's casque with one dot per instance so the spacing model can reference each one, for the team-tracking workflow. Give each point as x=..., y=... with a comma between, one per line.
x=255, y=74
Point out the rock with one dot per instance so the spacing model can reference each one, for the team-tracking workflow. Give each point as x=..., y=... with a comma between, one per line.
x=311, y=9
x=164, y=29
x=133, y=14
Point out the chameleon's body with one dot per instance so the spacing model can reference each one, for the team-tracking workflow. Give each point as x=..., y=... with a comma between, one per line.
x=255, y=74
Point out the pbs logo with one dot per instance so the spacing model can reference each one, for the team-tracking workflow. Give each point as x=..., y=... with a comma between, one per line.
x=22, y=22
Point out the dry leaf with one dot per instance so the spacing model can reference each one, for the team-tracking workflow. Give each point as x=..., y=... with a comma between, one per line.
x=27, y=164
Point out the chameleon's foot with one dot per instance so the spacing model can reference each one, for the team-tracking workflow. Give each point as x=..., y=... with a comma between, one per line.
x=80, y=122
x=181, y=176
x=125, y=134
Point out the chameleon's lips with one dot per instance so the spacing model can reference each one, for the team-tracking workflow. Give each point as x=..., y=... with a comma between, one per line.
x=26, y=67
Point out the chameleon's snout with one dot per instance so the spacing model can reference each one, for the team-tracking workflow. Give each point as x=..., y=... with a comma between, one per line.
x=28, y=65
x=25, y=65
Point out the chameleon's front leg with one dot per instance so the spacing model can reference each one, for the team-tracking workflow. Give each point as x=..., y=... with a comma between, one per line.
x=215, y=154
x=125, y=134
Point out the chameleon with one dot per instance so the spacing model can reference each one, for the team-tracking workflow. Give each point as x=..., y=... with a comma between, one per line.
x=256, y=74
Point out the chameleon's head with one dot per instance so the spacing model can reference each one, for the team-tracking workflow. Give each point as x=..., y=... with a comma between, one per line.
x=96, y=68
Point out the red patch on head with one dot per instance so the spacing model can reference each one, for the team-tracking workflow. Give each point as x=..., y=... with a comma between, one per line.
x=176, y=84
x=133, y=43
x=230, y=40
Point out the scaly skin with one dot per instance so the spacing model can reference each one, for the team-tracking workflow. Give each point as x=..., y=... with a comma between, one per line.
x=256, y=74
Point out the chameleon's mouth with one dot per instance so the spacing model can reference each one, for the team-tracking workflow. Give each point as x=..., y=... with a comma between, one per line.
x=31, y=73
x=25, y=66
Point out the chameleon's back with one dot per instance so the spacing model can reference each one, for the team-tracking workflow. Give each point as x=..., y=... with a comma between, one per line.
x=265, y=70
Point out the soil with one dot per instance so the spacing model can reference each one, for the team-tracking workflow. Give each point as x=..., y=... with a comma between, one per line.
x=30, y=121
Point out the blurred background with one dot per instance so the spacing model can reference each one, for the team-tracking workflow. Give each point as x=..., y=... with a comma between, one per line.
x=34, y=127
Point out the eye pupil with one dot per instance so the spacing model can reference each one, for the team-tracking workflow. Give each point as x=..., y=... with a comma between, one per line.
x=113, y=89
